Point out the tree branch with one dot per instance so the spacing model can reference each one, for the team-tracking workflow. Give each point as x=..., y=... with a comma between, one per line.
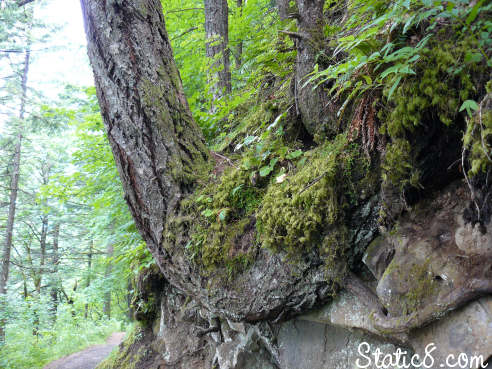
x=180, y=10
x=184, y=33
x=21, y=3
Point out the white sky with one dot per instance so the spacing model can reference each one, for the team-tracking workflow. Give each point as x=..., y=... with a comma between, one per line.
x=60, y=61
x=65, y=60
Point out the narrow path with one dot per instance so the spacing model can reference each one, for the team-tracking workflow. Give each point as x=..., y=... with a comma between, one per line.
x=90, y=357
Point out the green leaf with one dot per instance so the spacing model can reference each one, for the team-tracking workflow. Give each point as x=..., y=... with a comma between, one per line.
x=474, y=12
x=470, y=106
x=266, y=170
x=408, y=23
x=471, y=57
x=393, y=88
x=208, y=213
x=367, y=79
x=223, y=215
x=249, y=140
x=235, y=189
x=294, y=154
x=388, y=71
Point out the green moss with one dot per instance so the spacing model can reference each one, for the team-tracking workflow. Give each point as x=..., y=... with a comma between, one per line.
x=439, y=86
x=225, y=211
x=126, y=356
x=478, y=138
x=422, y=286
x=442, y=82
x=296, y=214
x=398, y=167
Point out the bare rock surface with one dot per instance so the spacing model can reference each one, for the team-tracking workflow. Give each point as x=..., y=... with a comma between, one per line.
x=467, y=331
x=310, y=345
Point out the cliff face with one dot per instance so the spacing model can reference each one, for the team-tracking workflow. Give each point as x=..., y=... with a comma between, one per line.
x=355, y=217
x=432, y=263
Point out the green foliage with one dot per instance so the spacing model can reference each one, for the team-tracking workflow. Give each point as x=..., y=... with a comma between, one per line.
x=255, y=27
x=225, y=208
x=382, y=45
x=95, y=182
x=23, y=350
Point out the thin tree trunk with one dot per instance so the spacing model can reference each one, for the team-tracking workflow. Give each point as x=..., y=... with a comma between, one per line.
x=107, y=275
x=239, y=48
x=42, y=261
x=55, y=279
x=129, y=296
x=89, y=271
x=14, y=187
x=217, y=49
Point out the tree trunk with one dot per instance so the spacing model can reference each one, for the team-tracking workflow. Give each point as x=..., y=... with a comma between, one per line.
x=239, y=48
x=42, y=261
x=14, y=187
x=158, y=148
x=283, y=8
x=89, y=271
x=312, y=103
x=55, y=281
x=217, y=49
x=107, y=275
x=159, y=152
x=129, y=295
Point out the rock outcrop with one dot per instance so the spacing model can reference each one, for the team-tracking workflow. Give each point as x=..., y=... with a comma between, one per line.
x=426, y=278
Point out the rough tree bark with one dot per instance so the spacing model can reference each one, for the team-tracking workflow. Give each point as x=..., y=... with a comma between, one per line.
x=217, y=49
x=14, y=187
x=155, y=141
x=157, y=147
x=312, y=103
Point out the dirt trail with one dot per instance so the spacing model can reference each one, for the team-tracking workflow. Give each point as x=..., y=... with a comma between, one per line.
x=90, y=357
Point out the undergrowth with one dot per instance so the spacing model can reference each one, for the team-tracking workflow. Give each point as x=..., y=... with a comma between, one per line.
x=23, y=350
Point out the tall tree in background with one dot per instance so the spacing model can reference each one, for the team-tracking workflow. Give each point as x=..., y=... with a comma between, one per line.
x=89, y=272
x=14, y=187
x=217, y=47
x=107, y=275
x=55, y=279
x=239, y=48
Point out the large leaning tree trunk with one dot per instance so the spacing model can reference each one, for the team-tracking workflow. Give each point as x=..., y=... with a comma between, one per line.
x=155, y=142
x=158, y=150
x=217, y=49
